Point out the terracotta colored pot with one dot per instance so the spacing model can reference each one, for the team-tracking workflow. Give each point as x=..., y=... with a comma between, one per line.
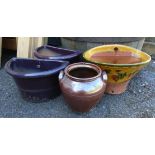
x=82, y=85
x=57, y=53
x=128, y=61
x=37, y=80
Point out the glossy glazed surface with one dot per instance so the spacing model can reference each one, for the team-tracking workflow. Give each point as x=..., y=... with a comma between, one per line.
x=56, y=53
x=118, y=73
x=37, y=80
x=80, y=91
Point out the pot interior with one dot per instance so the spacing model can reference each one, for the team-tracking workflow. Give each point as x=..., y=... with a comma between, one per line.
x=83, y=72
x=116, y=55
x=47, y=51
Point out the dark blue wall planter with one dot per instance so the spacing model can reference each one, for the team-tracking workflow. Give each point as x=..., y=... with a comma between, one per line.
x=63, y=54
x=37, y=80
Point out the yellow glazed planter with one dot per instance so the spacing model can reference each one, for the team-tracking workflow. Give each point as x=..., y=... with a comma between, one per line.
x=119, y=75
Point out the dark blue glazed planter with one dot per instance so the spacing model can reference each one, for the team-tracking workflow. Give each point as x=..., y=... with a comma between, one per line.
x=56, y=53
x=37, y=80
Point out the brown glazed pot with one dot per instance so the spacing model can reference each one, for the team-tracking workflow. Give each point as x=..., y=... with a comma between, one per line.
x=82, y=85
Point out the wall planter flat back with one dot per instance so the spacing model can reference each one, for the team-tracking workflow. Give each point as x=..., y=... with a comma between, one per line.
x=37, y=80
x=55, y=53
x=120, y=62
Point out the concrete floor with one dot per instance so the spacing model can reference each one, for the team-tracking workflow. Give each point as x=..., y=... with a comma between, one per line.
x=137, y=101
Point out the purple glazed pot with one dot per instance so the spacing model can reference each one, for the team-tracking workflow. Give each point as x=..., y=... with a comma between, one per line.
x=55, y=53
x=37, y=80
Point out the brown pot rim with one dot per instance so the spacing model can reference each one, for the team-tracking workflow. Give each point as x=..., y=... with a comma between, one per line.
x=79, y=65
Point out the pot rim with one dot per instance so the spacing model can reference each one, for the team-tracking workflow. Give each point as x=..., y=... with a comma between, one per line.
x=117, y=65
x=104, y=39
x=83, y=65
x=68, y=56
x=34, y=75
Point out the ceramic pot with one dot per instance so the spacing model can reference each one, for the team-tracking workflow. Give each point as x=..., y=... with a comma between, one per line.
x=119, y=75
x=37, y=80
x=56, y=53
x=82, y=85
x=85, y=43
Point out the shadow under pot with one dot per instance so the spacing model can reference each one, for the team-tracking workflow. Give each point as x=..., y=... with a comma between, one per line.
x=82, y=85
x=56, y=53
x=37, y=80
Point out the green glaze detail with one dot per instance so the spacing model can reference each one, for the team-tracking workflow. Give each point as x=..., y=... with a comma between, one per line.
x=107, y=71
x=119, y=76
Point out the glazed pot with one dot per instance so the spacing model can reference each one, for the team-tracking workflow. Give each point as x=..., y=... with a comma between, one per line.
x=82, y=85
x=120, y=62
x=56, y=53
x=37, y=80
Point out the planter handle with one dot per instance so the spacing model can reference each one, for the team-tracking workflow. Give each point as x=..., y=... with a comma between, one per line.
x=104, y=76
x=61, y=75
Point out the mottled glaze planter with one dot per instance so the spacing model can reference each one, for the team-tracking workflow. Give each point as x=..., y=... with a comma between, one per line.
x=55, y=53
x=119, y=75
x=82, y=85
x=37, y=80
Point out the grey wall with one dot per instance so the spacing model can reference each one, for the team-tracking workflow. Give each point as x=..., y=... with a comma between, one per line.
x=150, y=39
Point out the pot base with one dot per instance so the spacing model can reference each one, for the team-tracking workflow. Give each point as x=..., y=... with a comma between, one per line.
x=40, y=96
x=116, y=88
